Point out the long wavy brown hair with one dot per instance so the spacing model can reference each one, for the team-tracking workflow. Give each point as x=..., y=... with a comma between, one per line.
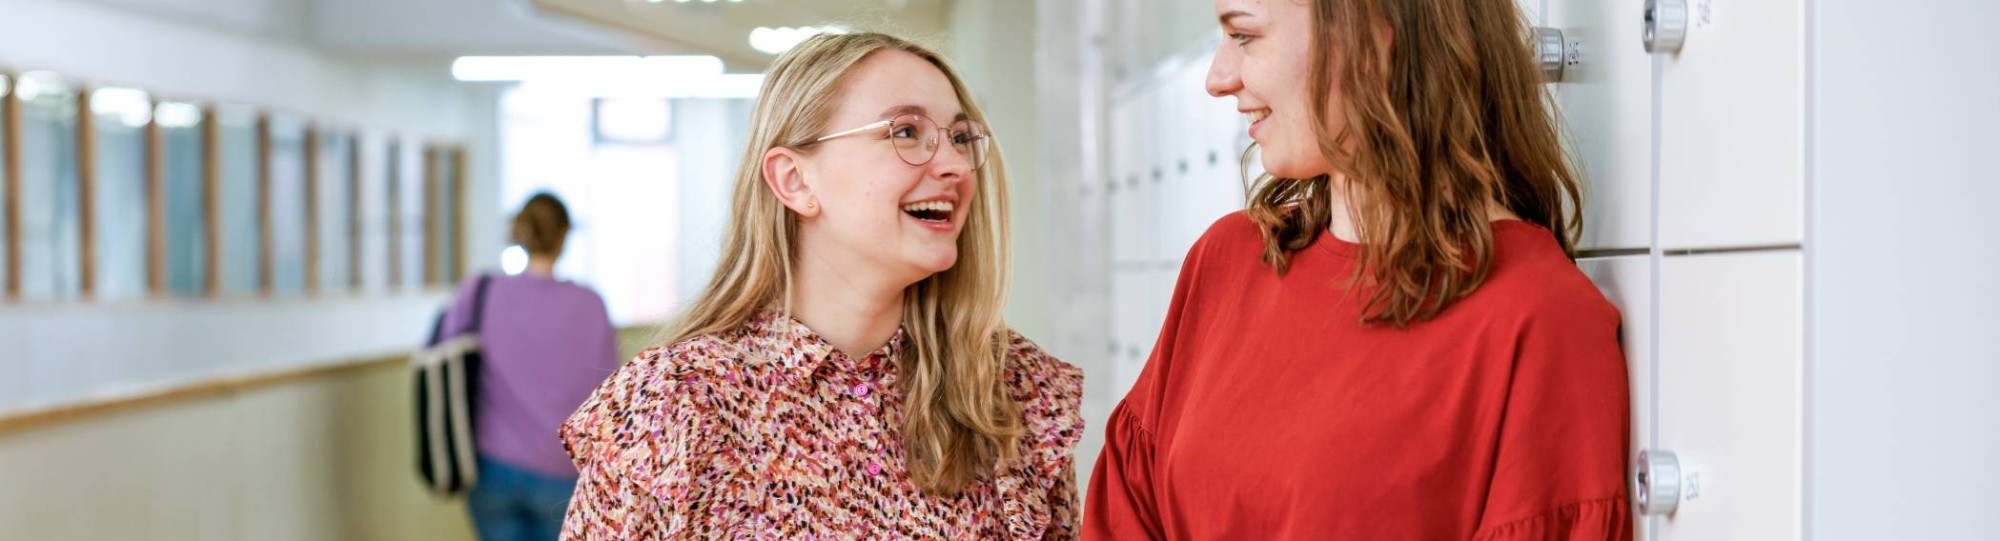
x=961, y=422
x=1447, y=112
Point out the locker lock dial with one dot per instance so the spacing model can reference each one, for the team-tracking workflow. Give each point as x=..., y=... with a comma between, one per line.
x=1553, y=53
x=1666, y=25
x=1656, y=481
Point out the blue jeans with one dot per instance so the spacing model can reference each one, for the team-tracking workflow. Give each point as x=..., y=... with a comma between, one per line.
x=514, y=504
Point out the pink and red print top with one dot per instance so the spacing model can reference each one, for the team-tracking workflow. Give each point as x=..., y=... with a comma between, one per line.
x=768, y=432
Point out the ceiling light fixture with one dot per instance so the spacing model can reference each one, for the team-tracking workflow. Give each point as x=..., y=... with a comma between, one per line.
x=584, y=68
x=778, y=40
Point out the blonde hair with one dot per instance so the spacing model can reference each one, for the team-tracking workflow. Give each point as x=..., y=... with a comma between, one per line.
x=542, y=225
x=961, y=422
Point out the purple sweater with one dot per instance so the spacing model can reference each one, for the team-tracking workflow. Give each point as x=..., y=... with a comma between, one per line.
x=546, y=345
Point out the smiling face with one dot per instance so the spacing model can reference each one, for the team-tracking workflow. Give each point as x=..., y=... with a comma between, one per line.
x=873, y=210
x=1266, y=64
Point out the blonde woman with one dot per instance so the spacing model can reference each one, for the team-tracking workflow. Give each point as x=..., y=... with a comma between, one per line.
x=847, y=374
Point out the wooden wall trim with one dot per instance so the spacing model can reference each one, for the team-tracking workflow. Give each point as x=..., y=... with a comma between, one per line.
x=433, y=274
x=12, y=162
x=86, y=192
x=312, y=210
x=211, y=198
x=631, y=338
x=156, y=206
x=395, y=199
x=20, y=421
x=354, y=213
x=266, y=261
x=461, y=200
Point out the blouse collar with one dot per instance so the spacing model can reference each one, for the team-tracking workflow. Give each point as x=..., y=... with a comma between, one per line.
x=804, y=349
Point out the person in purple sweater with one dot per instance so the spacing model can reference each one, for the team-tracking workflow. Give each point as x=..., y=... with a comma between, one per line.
x=546, y=343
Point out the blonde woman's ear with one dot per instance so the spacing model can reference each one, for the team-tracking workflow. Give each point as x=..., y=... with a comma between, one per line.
x=784, y=174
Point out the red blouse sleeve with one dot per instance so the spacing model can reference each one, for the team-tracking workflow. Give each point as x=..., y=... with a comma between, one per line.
x=1559, y=472
x=1120, y=503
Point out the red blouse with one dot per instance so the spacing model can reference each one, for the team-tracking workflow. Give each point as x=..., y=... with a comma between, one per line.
x=1267, y=411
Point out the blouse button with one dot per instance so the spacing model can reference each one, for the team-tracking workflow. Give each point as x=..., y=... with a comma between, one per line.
x=874, y=468
x=861, y=389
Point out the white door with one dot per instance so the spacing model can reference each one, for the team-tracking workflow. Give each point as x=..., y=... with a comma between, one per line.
x=1731, y=125
x=1628, y=283
x=1605, y=101
x=1728, y=400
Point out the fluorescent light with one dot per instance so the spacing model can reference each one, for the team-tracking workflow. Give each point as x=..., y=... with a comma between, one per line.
x=34, y=84
x=522, y=68
x=778, y=40
x=734, y=85
x=131, y=106
x=173, y=114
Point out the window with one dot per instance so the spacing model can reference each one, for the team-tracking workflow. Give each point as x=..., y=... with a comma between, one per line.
x=410, y=199
x=285, y=167
x=119, y=192
x=334, y=160
x=183, y=166
x=51, y=236
x=241, y=254
x=371, y=204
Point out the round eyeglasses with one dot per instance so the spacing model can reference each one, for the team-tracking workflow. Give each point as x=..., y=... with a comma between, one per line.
x=915, y=138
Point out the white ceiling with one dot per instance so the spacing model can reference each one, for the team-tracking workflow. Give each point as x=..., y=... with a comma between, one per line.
x=722, y=28
x=431, y=30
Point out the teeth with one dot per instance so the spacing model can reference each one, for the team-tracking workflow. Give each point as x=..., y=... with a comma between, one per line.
x=933, y=206
x=1257, y=115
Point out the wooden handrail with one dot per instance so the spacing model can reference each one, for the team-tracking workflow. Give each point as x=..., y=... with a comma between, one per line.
x=12, y=422
x=230, y=385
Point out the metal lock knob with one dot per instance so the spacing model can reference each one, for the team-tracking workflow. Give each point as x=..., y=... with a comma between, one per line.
x=1656, y=481
x=1666, y=26
x=1552, y=53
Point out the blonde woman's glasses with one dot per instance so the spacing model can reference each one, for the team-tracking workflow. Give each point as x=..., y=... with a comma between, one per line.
x=915, y=138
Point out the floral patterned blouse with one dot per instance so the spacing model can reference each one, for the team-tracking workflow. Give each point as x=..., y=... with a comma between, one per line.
x=768, y=432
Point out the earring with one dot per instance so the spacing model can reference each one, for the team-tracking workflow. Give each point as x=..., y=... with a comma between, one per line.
x=813, y=204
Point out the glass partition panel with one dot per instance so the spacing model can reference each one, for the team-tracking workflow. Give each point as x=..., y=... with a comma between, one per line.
x=51, y=236
x=410, y=200
x=119, y=190
x=336, y=210
x=241, y=247
x=184, y=161
x=288, y=204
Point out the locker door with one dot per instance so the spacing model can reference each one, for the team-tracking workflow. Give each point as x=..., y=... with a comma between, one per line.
x=1532, y=11
x=1628, y=283
x=1729, y=394
x=1731, y=125
x=1605, y=103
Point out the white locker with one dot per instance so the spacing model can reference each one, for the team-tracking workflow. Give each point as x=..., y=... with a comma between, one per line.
x=1731, y=126
x=1158, y=181
x=1605, y=103
x=1532, y=11
x=1729, y=402
x=1628, y=283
